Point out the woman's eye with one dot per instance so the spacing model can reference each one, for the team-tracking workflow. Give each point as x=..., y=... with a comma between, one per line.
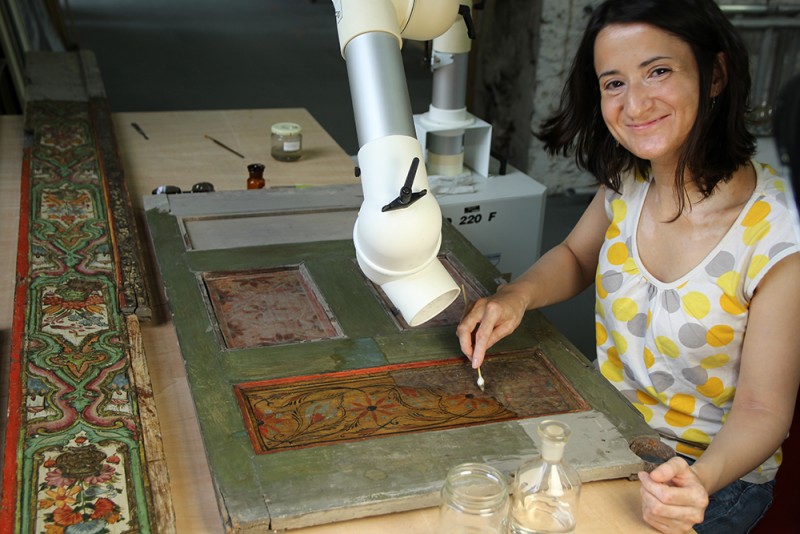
x=660, y=71
x=612, y=85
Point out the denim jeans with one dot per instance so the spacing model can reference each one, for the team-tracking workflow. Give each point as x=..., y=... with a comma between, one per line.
x=736, y=508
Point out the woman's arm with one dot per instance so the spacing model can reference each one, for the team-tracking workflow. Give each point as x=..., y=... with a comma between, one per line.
x=561, y=273
x=768, y=380
x=674, y=496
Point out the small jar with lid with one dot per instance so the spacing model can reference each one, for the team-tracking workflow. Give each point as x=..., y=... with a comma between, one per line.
x=287, y=141
x=474, y=501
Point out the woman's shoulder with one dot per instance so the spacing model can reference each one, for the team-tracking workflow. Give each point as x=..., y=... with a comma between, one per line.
x=631, y=185
x=775, y=190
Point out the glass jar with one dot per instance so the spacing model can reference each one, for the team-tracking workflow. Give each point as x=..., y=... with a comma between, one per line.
x=255, y=176
x=287, y=141
x=474, y=501
x=544, y=495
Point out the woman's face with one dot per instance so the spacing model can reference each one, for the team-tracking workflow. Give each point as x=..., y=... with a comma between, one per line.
x=649, y=87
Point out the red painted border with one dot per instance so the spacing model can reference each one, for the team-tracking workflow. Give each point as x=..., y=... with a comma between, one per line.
x=15, y=432
x=352, y=372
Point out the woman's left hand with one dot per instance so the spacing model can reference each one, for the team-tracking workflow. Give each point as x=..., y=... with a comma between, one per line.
x=673, y=498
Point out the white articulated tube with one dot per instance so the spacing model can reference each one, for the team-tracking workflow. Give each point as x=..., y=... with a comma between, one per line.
x=398, y=249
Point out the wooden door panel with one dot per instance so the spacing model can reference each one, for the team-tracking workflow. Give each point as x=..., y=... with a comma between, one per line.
x=404, y=399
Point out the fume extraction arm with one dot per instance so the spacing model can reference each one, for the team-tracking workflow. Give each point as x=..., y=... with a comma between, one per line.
x=397, y=235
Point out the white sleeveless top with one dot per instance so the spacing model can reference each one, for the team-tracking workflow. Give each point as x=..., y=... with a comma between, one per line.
x=673, y=349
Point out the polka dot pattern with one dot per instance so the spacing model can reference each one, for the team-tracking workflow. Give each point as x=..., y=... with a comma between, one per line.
x=673, y=349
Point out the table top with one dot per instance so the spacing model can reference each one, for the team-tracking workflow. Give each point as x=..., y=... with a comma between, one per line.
x=177, y=153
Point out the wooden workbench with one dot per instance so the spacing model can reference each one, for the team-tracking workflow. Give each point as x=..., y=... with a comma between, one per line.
x=177, y=153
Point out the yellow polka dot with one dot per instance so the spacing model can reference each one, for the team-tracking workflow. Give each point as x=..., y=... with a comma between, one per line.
x=619, y=341
x=696, y=304
x=688, y=450
x=617, y=253
x=682, y=403
x=732, y=305
x=645, y=411
x=644, y=398
x=611, y=372
x=667, y=347
x=677, y=418
x=681, y=406
x=619, y=209
x=719, y=335
x=712, y=388
x=778, y=456
x=624, y=309
x=613, y=357
x=755, y=233
x=630, y=266
x=662, y=397
x=769, y=168
x=649, y=316
x=600, y=333
x=612, y=231
x=598, y=308
x=725, y=396
x=649, y=359
x=712, y=362
x=756, y=264
x=697, y=436
x=598, y=282
x=728, y=282
x=756, y=214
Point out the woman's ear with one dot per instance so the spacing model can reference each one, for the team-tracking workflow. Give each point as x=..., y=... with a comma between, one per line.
x=719, y=78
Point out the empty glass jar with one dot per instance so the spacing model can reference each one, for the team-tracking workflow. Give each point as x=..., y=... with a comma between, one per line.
x=474, y=501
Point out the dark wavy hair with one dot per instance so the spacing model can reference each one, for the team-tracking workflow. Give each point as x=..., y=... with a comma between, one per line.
x=718, y=142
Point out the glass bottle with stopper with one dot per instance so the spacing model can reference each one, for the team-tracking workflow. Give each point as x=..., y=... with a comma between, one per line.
x=546, y=489
x=255, y=176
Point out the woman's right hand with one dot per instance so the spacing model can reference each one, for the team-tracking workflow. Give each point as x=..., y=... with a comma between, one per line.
x=489, y=320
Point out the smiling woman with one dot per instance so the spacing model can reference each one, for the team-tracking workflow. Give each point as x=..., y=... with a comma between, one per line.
x=691, y=245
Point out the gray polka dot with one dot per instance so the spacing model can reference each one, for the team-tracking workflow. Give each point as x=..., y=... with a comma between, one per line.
x=666, y=431
x=629, y=373
x=630, y=394
x=638, y=325
x=777, y=248
x=695, y=375
x=652, y=291
x=671, y=301
x=612, y=281
x=661, y=380
x=709, y=412
x=692, y=335
x=721, y=264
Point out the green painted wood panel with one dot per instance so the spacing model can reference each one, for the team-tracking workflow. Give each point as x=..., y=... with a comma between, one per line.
x=300, y=487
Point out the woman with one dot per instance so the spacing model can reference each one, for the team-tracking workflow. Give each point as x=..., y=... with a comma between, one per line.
x=690, y=245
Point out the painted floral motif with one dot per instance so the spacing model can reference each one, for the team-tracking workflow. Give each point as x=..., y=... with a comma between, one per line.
x=67, y=207
x=74, y=310
x=325, y=409
x=82, y=489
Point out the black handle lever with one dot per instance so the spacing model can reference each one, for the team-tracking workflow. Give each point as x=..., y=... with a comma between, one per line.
x=465, y=12
x=407, y=197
